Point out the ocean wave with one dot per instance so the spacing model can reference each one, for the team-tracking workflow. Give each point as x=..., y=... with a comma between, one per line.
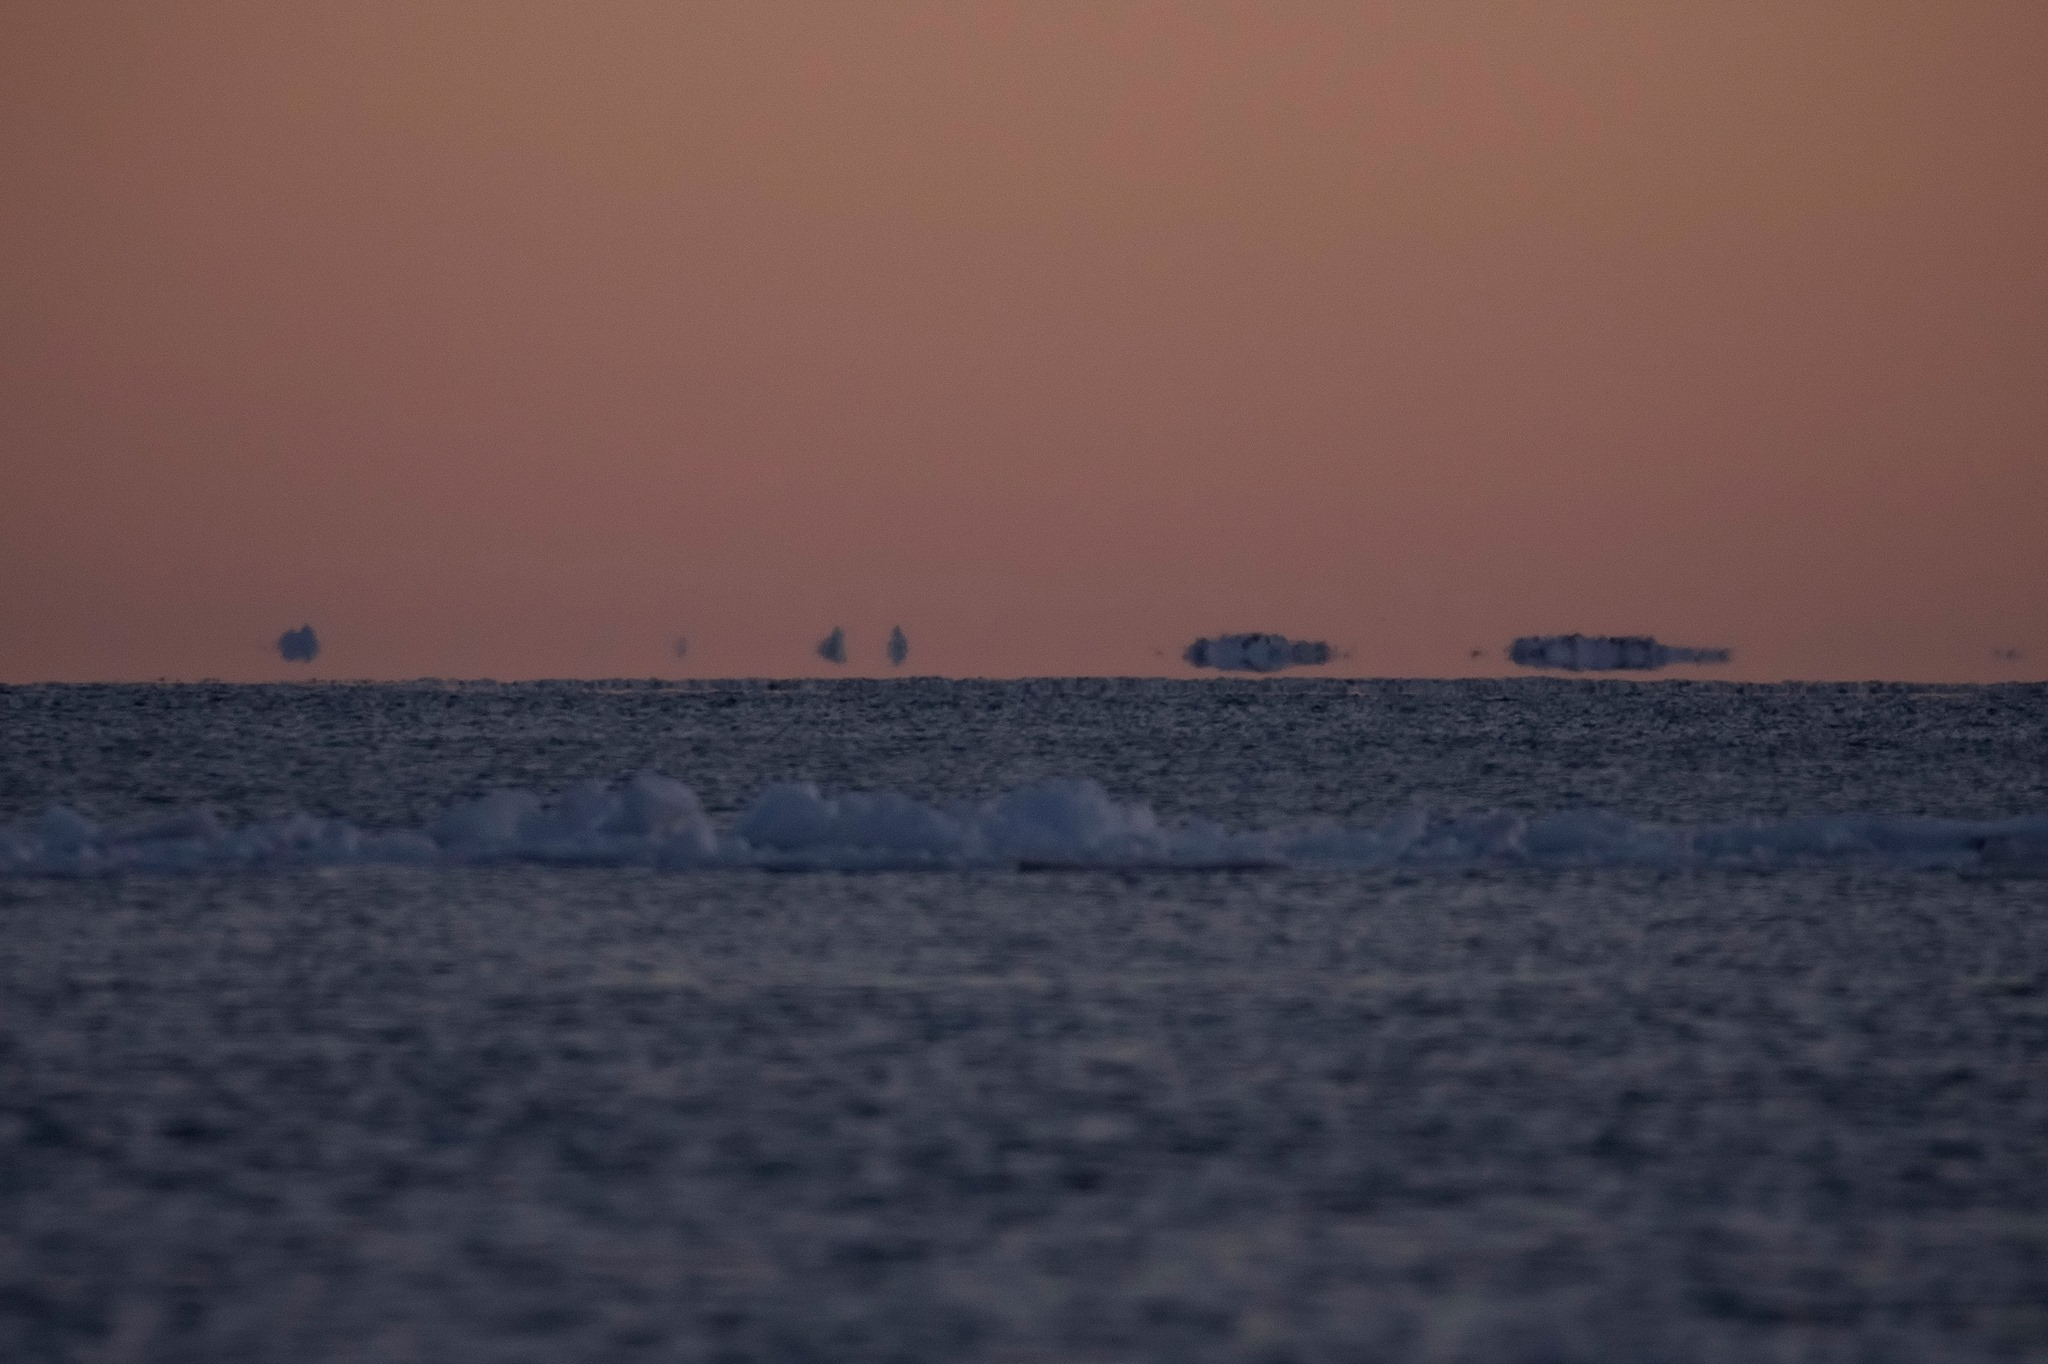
x=656, y=821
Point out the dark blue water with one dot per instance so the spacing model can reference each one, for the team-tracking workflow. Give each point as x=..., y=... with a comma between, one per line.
x=1492, y=1113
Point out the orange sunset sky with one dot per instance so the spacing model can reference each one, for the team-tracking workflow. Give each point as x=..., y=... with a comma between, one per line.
x=507, y=339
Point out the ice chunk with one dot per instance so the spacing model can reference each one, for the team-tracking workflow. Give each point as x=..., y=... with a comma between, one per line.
x=1605, y=653
x=588, y=821
x=1256, y=653
x=654, y=804
x=199, y=822
x=796, y=817
x=789, y=815
x=490, y=821
x=1068, y=820
x=299, y=646
x=65, y=830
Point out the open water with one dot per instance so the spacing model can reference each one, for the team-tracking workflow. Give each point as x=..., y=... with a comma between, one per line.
x=1324, y=1026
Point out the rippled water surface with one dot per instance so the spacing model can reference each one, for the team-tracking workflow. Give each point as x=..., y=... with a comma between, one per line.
x=560, y=1113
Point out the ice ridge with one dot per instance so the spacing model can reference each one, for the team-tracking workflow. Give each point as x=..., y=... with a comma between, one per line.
x=656, y=821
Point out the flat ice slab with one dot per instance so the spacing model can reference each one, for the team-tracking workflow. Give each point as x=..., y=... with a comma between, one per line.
x=1605, y=653
x=1256, y=653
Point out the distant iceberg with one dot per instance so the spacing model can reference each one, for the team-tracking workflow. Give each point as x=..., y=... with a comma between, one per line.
x=832, y=648
x=299, y=646
x=899, y=647
x=1256, y=653
x=1605, y=653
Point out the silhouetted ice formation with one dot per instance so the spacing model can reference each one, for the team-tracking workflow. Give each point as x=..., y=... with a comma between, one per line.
x=832, y=648
x=1256, y=653
x=299, y=646
x=681, y=646
x=899, y=647
x=1605, y=653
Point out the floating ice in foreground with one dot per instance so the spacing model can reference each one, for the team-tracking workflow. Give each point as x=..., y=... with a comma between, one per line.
x=299, y=646
x=1256, y=653
x=1605, y=653
x=657, y=821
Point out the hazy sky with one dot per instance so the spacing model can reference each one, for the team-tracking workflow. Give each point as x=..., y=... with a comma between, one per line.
x=510, y=340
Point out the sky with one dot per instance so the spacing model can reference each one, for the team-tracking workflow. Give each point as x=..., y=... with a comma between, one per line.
x=513, y=340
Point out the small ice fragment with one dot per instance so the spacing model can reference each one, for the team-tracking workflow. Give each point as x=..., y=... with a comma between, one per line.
x=299, y=646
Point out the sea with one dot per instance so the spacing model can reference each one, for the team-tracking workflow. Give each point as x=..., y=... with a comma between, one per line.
x=1511, y=1021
